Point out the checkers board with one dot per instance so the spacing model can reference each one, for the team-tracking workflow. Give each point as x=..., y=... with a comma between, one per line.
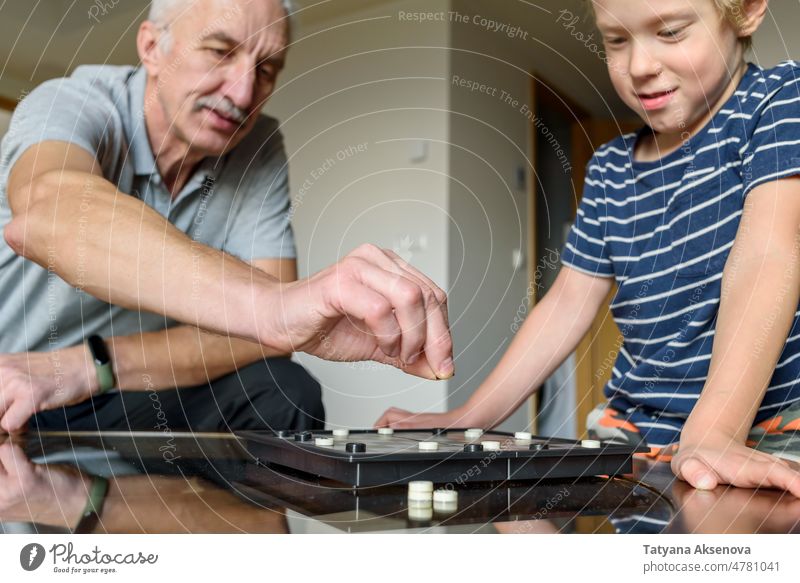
x=369, y=458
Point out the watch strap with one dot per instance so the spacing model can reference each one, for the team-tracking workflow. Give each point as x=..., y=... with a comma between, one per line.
x=102, y=363
x=94, y=506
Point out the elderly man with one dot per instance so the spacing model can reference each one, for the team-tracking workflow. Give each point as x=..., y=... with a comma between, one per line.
x=149, y=262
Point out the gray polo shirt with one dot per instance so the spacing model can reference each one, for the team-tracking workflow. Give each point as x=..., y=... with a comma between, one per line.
x=238, y=203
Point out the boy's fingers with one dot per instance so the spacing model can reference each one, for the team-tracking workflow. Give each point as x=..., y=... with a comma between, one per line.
x=698, y=474
x=390, y=416
x=778, y=476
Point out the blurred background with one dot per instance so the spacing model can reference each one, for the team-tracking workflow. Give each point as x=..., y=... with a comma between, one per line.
x=458, y=140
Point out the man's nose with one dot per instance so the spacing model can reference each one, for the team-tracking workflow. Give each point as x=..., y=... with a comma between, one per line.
x=240, y=84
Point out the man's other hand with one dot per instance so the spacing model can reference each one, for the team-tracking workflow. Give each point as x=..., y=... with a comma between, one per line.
x=31, y=382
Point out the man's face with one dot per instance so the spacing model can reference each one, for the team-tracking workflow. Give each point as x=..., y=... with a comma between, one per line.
x=671, y=61
x=219, y=69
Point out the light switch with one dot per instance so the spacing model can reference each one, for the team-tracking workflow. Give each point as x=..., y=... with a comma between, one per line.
x=419, y=151
x=517, y=259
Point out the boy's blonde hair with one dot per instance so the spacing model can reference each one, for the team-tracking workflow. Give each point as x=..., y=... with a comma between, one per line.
x=734, y=12
x=731, y=10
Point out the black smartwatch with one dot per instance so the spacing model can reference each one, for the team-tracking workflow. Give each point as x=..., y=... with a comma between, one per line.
x=102, y=363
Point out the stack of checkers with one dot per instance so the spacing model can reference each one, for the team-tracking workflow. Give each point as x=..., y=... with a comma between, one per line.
x=423, y=500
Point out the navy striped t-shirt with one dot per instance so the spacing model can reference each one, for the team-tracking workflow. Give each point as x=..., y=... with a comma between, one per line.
x=664, y=229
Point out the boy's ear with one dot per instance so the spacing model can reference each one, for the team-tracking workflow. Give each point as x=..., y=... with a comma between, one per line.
x=752, y=17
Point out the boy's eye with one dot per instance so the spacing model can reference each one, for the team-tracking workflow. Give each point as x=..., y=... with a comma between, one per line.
x=615, y=41
x=672, y=33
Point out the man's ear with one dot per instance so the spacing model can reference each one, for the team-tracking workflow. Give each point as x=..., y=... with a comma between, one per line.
x=147, y=45
x=753, y=15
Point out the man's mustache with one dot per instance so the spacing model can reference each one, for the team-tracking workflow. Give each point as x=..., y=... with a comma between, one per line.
x=221, y=105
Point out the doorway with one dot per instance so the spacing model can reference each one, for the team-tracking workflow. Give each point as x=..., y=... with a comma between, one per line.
x=563, y=139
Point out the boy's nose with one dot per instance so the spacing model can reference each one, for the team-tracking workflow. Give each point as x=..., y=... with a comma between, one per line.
x=643, y=63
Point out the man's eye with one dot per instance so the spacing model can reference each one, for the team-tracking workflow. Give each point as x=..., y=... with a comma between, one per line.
x=615, y=41
x=267, y=73
x=218, y=52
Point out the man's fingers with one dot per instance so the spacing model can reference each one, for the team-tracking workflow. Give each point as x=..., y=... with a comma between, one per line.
x=419, y=368
x=438, y=345
x=391, y=261
x=376, y=312
x=13, y=458
x=6, y=458
x=406, y=298
x=15, y=419
x=698, y=474
x=439, y=294
x=5, y=403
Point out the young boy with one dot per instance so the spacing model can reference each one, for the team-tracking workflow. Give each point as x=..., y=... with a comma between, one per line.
x=696, y=218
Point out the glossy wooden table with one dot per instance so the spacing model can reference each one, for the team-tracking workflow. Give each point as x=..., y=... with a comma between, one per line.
x=179, y=483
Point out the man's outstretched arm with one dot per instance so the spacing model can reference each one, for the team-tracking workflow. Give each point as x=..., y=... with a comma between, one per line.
x=185, y=356
x=371, y=305
x=69, y=219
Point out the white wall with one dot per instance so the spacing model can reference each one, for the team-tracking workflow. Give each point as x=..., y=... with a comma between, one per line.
x=367, y=79
x=777, y=39
x=5, y=118
x=488, y=206
x=491, y=133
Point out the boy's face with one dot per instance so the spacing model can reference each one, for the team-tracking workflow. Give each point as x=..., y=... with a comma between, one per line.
x=671, y=61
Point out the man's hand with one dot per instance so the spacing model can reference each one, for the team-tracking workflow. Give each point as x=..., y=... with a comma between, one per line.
x=372, y=305
x=31, y=382
x=45, y=494
x=718, y=459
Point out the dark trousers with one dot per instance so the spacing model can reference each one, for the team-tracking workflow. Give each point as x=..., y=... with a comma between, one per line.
x=271, y=394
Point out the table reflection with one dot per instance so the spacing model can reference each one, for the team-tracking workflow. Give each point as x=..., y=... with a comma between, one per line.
x=51, y=495
x=211, y=484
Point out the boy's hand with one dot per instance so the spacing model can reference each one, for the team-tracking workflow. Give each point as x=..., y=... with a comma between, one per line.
x=726, y=510
x=718, y=459
x=402, y=419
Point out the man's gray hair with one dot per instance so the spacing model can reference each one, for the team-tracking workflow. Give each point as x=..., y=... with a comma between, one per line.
x=162, y=12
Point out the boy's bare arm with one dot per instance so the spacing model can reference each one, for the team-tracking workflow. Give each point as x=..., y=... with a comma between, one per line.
x=550, y=333
x=760, y=291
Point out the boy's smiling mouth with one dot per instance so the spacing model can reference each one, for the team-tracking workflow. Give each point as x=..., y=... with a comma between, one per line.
x=657, y=100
